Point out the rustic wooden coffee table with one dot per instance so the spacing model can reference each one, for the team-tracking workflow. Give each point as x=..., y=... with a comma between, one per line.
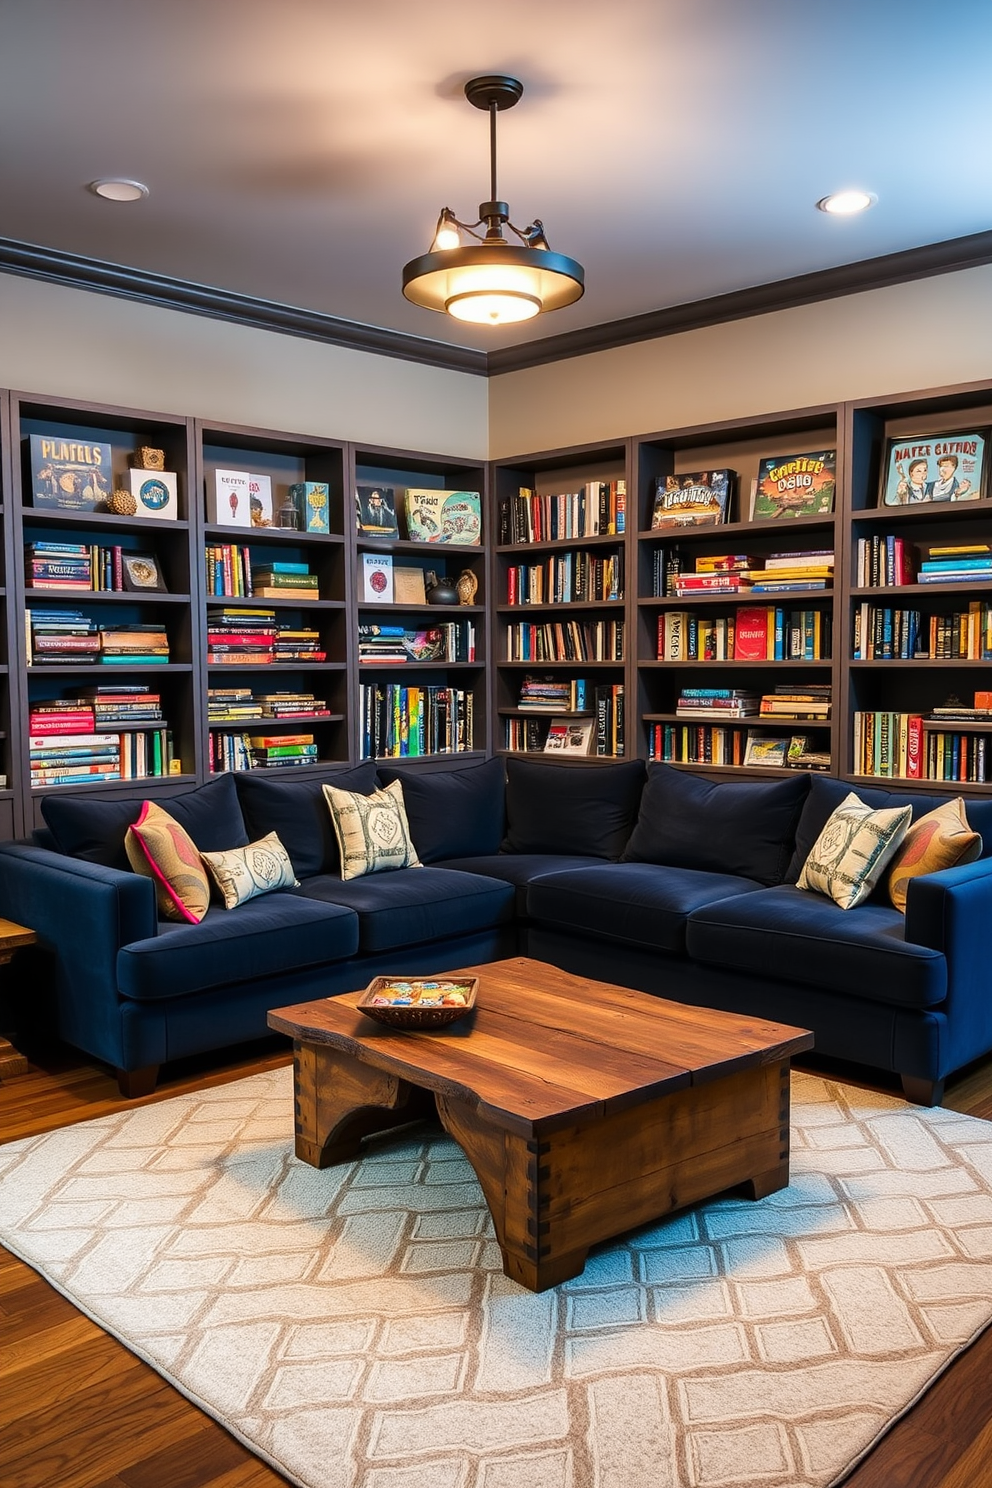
x=585, y=1109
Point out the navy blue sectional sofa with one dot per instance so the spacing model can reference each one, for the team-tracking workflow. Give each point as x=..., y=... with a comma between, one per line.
x=653, y=878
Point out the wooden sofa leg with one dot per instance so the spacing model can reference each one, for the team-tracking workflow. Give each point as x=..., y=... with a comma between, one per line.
x=922, y=1092
x=135, y=1083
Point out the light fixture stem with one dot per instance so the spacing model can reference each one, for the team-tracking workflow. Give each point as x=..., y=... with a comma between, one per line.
x=492, y=149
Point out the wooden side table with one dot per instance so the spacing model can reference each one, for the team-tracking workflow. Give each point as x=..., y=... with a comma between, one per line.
x=13, y=938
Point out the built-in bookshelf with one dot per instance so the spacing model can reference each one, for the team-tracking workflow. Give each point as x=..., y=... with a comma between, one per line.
x=919, y=616
x=274, y=612
x=561, y=631
x=243, y=616
x=735, y=652
x=421, y=634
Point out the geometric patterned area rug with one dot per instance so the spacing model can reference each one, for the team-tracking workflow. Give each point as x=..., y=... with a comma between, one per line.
x=353, y=1326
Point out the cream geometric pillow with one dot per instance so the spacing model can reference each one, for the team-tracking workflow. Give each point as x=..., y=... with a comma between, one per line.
x=243, y=873
x=372, y=831
x=851, y=852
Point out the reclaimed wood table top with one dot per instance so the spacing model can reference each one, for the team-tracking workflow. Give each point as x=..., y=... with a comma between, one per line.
x=543, y=1048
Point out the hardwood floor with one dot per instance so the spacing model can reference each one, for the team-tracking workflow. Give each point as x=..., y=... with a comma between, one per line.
x=79, y=1411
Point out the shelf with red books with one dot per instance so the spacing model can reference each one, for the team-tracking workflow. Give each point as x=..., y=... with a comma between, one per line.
x=736, y=560
x=919, y=617
x=102, y=534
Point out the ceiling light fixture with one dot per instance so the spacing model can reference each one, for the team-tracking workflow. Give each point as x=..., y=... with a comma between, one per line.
x=492, y=281
x=115, y=188
x=846, y=203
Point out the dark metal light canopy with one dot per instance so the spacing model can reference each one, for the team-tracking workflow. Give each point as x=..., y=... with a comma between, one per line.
x=492, y=281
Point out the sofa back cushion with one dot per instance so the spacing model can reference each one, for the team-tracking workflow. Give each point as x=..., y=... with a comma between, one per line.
x=453, y=813
x=297, y=812
x=588, y=810
x=826, y=794
x=745, y=828
x=93, y=829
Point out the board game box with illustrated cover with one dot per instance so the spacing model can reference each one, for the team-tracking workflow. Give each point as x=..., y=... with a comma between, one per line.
x=700, y=498
x=434, y=516
x=75, y=474
x=795, y=485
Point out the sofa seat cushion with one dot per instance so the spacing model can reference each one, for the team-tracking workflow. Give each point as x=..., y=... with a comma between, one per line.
x=520, y=868
x=412, y=905
x=794, y=936
x=281, y=932
x=639, y=904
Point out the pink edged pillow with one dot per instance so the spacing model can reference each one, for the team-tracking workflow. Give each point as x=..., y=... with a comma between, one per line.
x=158, y=848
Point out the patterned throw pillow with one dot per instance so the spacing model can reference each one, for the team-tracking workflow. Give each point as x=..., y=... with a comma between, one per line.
x=941, y=839
x=243, y=873
x=372, y=831
x=159, y=848
x=852, y=850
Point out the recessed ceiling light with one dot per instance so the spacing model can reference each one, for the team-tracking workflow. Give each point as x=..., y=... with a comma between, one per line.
x=846, y=203
x=113, y=188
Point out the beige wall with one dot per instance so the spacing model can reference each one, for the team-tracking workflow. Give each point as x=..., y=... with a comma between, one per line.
x=96, y=348
x=917, y=335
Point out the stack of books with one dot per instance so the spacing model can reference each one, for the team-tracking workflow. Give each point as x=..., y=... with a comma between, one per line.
x=241, y=637
x=784, y=573
x=786, y=701
x=232, y=705
x=62, y=638
x=134, y=645
x=716, y=704
x=229, y=570
x=292, y=705
x=960, y=564
x=74, y=758
x=116, y=704
x=597, y=510
x=554, y=695
x=59, y=716
x=297, y=645
x=720, y=573
x=277, y=750
x=283, y=581
x=395, y=645
x=53, y=565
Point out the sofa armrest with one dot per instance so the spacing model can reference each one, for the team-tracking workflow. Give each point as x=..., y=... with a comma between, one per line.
x=951, y=912
x=83, y=914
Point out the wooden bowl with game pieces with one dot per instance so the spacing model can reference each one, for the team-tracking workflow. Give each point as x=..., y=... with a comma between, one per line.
x=419, y=1002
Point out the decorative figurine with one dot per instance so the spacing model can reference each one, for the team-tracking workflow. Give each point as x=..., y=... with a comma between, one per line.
x=122, y=503
x=467, y=585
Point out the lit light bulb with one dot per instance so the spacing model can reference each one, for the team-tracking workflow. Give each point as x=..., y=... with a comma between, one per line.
x=447, y=237
x=846, y=203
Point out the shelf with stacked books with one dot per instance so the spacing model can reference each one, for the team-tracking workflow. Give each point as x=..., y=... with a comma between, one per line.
x=919, y=621
x=736, y=559
x=421, y=638
x=560, y=611
x=274, y=579
x=102, y=590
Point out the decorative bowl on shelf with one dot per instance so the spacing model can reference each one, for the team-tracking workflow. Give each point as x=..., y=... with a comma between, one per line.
x=418, y=1002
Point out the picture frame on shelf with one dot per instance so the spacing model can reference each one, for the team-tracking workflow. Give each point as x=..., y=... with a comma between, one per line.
x=408, y=585
x=377, y=578
x=70, y=474
x=760, y=750
x=156, y=493
x=435, y=516
x=698, y=498
x=141, y=573
x=376, y=512
x=260, y=500
x=934, y=468
x=571, y=736
x=796, y=485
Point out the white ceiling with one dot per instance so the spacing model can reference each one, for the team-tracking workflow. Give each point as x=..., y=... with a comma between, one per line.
x=300, y=150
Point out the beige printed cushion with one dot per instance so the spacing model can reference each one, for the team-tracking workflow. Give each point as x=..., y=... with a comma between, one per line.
x=159, y=848
x=941, y=839
x=852, y=851
x=242, y=873
x=372, y=831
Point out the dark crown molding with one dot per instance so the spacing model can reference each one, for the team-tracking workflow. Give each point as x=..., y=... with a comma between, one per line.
x=77, y=272
x=785, y=294
x=73, y=270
